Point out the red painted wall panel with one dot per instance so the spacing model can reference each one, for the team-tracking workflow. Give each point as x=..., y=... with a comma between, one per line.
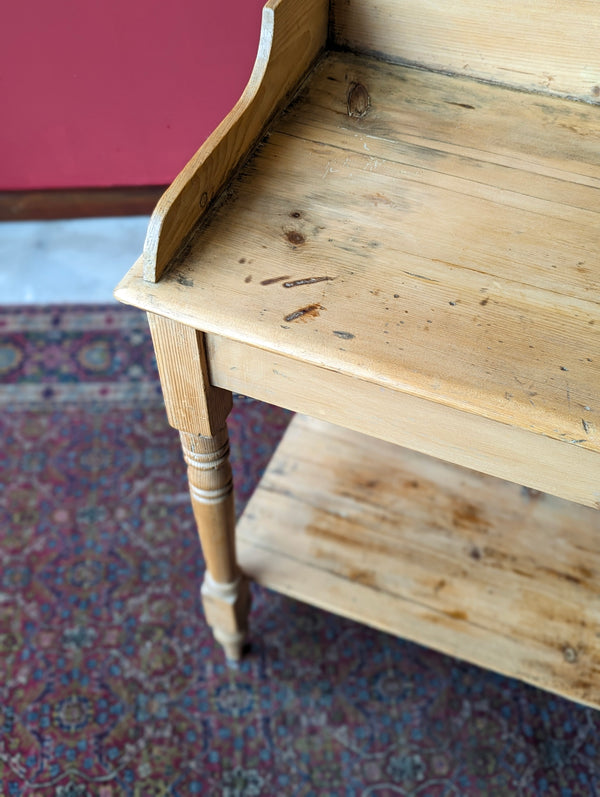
x=116, y=92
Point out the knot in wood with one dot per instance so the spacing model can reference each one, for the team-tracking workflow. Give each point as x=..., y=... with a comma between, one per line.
x=359, y=101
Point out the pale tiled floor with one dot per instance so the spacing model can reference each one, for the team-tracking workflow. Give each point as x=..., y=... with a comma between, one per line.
x=79, y=260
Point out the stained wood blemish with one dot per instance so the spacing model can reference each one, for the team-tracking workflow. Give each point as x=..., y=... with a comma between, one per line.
x=305, y=281
x=369, y=484
x=457, y=614
x=358, y=100
x=419, y=276
x=331, y=534
x=461, y=105
x=366, y=577
x=304, y=313
x=295, y=237
x=248, y=278
x=274, y=280
x=343, y=335
x=185, y=281
x=569, y=577
x=587, y=574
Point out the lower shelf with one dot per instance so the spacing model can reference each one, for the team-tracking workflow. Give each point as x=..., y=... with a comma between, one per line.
x=466, y=564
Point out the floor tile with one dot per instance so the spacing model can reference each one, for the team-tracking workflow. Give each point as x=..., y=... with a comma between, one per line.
x=76, y=260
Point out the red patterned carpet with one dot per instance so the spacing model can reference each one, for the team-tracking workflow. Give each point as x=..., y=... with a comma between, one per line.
x=110, y=682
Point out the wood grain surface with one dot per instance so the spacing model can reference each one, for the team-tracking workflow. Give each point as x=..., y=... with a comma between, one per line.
x=292, y=35
x=433, y=553
x=537, y=45
x=499, y=449
x=442, y=243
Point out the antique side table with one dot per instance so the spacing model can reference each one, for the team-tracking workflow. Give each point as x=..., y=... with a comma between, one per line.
x=396, y=233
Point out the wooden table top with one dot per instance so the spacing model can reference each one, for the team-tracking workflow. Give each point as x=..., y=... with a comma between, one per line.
x=432, y=234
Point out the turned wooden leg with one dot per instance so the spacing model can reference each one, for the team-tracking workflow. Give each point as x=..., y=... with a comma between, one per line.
x=200, y=412
x=225, y=593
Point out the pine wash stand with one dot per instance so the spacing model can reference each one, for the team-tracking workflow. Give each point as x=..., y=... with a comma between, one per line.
x=396, y=233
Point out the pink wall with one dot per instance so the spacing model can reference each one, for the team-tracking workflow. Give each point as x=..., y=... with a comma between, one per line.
x=116, y=92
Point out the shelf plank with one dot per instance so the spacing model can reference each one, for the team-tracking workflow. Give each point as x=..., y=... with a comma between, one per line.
x=464, y=563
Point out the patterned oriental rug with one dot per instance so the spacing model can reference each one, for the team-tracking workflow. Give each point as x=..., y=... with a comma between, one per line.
x=110, y=681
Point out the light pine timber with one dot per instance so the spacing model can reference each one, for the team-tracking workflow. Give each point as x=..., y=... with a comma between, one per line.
x=454, y=253
x=293, y=32
x=463, y=563
x=414, y=255
x=200, y=412
x=536, y=45
x=508, y=452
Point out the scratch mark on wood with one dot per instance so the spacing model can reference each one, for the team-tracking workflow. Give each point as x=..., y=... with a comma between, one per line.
x=305, y=281
x=343, y=335
x=419, y=276
x=273, y=280
x=586, y=426
x=310, y=311
x=461, y=105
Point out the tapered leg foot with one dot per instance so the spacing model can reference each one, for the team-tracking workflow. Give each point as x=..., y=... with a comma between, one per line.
x=225, y=591
x=226, y=607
